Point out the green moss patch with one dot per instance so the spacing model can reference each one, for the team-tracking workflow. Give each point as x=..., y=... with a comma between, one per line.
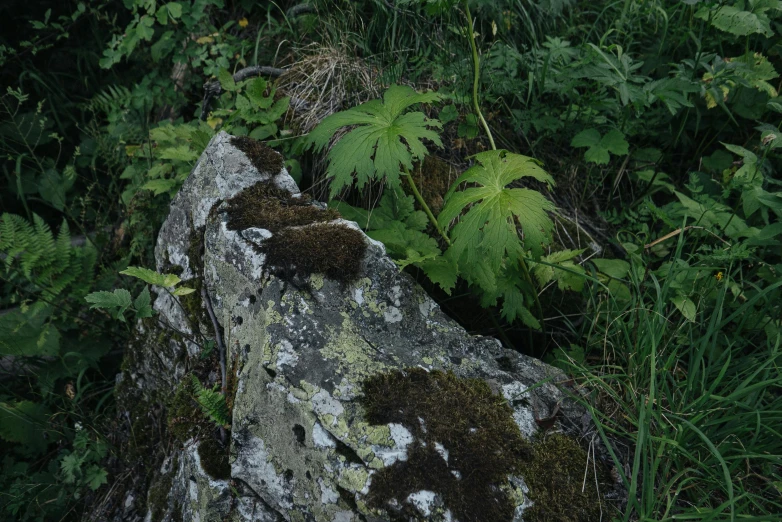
x=555, y=477
x=303, y=242
x=474, y=426
x=185, y=418
x=214, y=458
x=334, y=250
x=264, y=205
x=263, y=158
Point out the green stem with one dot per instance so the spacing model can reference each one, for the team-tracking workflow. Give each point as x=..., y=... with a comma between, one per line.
x=538, y=306
x=424, y=206
x=476, y=62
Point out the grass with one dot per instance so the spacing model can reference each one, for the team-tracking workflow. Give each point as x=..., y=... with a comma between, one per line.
x=698, y=404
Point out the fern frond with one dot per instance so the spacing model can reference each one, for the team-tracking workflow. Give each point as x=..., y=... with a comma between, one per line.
x=114, y=98
x=50, y=264
x=212, y=403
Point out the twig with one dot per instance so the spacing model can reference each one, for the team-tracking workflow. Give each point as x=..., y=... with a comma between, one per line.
x=218, y=337
x=679, y=231
x=220, y=346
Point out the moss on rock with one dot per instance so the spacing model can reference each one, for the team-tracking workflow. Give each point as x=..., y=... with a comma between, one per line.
x=474, y=426
x=555, y=477
x=214, y=458
x=303, y=242
x=263, y=158
x=264, y=205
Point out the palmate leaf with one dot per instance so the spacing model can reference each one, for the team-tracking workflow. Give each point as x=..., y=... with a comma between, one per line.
x=487, y=236
x=384, y=139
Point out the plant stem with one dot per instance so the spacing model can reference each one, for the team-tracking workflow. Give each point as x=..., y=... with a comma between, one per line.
x=476, y=62
x=424, y=206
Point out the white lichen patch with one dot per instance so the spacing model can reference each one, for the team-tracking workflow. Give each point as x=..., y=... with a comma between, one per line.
x=321, y=437
x=441, y=450
x=523, y=416
x=286, y=355
x=401, y=438
x=392, y=314
x=327, y=494
x=255, y=467
x=324, y=404
x=424, y=501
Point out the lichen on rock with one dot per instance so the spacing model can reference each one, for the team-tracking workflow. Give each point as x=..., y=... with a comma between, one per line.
x=354, y=396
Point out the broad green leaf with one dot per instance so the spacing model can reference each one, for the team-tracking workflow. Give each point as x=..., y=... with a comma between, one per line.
x=24, y=332
x=226, y=80
x=142, y=304
x=183, y=290
x=614, y=268
x=95, y=477
x=383, y=143
x=487, y=234
x=566, y=273
x=119, y=300
x=160, y=186
x=600, y=147
x=735, y=20
x=441, y=272
x=24, y=422
x=685, y=306
x=255, y=91
x=264, y=131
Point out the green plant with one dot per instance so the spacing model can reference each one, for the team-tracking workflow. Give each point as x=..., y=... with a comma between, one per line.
x=700, y=397
x=212, y=403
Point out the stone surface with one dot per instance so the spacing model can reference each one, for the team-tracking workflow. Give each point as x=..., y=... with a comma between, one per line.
x=300, y=446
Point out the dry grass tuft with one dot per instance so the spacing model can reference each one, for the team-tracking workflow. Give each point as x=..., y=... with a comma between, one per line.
x=325, y=81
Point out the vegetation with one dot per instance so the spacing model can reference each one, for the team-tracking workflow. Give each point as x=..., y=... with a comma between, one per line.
x=607, y=198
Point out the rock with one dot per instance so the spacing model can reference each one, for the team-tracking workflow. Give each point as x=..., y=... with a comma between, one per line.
x=354, y=397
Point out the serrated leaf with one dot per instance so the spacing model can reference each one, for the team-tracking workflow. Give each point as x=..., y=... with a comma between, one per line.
x=486, y=236
x=566, y=273
x=145, y=274
x=25, y=423
x=25, y=333
x=119, y=298
x=737, y=21
x=160, y=186
x=226, y=80
x=383, y=142
x=586, y=138
x=142, y=304
x=255, y=91
x=95, y=477
x=615, y=143
x=441, y=272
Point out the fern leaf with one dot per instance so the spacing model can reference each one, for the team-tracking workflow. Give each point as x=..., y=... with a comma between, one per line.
x=383, y=140
x=212, y=403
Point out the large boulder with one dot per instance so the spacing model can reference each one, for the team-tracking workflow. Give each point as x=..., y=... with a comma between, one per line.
x=352, y=395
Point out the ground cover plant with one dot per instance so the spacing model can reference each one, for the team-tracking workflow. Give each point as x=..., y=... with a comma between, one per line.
x=596, y=183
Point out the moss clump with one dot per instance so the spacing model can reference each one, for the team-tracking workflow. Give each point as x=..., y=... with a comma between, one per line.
x=184, y=414
x=214, y=459
x=158, y=496
x=334, y=250
x=264, y=205
x=474, y=426
x=555, y=477
x=295, y=248
x=263, y=158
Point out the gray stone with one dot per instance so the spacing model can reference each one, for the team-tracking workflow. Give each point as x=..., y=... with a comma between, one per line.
x=300, y=446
